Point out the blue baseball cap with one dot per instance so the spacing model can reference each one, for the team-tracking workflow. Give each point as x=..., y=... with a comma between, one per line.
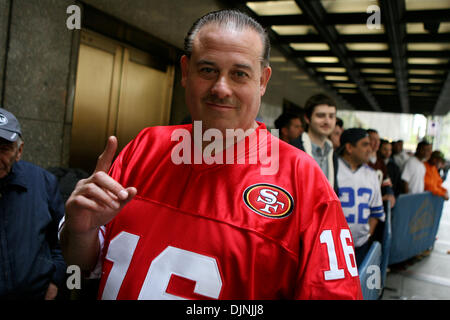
x=9, y=126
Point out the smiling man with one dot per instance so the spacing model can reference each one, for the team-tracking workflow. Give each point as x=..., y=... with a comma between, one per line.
x=163, y=230
x=320, y=117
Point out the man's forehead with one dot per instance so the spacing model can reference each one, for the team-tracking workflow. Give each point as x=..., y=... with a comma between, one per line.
x=325, y=108
x=223, y=37
x=365, y=140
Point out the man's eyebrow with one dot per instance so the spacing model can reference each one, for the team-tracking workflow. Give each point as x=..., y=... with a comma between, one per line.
x=201, y=62
x=243, y=66
x=236, y=65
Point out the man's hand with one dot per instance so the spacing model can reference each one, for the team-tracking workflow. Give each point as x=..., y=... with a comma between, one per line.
x=94, y=202
x=99, y=198
x=390, y=198
x=51, y=293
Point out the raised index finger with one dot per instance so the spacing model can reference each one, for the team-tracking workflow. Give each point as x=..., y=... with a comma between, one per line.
x=105, y=159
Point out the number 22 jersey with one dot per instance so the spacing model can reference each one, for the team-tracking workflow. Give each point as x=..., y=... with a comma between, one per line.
x=225, y=231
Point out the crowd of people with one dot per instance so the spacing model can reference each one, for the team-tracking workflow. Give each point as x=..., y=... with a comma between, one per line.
x=364, y=170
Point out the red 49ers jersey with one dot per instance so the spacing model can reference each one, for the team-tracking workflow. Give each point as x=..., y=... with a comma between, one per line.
x=225, y=231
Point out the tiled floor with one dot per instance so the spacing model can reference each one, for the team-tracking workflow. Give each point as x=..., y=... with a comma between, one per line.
x=428, y=278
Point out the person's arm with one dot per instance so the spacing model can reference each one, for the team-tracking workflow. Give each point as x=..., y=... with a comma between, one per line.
x=94, y=202
x=405, y=186
x=372, y=225
x=56, y=210
x=406, y=176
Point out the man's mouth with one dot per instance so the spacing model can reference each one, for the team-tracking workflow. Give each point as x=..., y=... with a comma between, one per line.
x=219, y=106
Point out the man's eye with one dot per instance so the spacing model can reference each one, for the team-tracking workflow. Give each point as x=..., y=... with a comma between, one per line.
x=241, y=74
x=206, y=70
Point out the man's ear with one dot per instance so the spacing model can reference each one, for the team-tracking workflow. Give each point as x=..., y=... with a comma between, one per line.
x=348, y=148
x=184, y=63
x=265, y=77
x=20, y=151
x=305, y=117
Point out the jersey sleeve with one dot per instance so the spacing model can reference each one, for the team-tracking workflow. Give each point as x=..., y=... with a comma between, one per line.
x=376, y=202
x=328, y=267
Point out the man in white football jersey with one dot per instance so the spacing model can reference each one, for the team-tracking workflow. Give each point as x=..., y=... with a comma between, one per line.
x=359, y=189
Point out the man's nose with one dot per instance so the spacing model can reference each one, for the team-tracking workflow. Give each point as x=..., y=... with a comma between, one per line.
x=221, y=88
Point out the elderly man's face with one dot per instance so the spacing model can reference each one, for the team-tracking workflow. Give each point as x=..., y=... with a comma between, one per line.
x=10, y=152
x=224, y=78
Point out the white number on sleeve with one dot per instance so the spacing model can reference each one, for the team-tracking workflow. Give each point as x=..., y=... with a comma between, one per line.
x=349, y=253
x=334, y=272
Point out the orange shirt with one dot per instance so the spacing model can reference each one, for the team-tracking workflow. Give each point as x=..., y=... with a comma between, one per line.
x=433, y=181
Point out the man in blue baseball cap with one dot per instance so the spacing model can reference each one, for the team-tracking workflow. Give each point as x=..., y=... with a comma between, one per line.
x=11, y=144
x=31, y=264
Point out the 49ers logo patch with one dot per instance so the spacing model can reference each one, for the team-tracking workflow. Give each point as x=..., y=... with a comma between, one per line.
x=268, y=200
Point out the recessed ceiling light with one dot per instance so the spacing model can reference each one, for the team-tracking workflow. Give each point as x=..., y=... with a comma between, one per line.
x=427, y=60
x=357, y=29
x=382, y=86
x=331, y=69
x=274, y=8
x=425, y=71
x=380, y=79
x=344, y=85
x=336, y=78
x=373, y=60
x=368, y=46
x=346, y=6
x=322, y=59
x=293, y=30
x=419, y=80
x=417, y=27
x=376, y=70
x=310, y=46
x=351, y=91
x=428, y=46
x=426, y=5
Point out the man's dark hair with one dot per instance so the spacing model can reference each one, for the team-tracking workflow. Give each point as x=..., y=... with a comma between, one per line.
x=369, y=131
x=284, y=120
x=232, y=19
x=316, y=100
x=339, y=122
x=383, y=141
x=421, y=145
